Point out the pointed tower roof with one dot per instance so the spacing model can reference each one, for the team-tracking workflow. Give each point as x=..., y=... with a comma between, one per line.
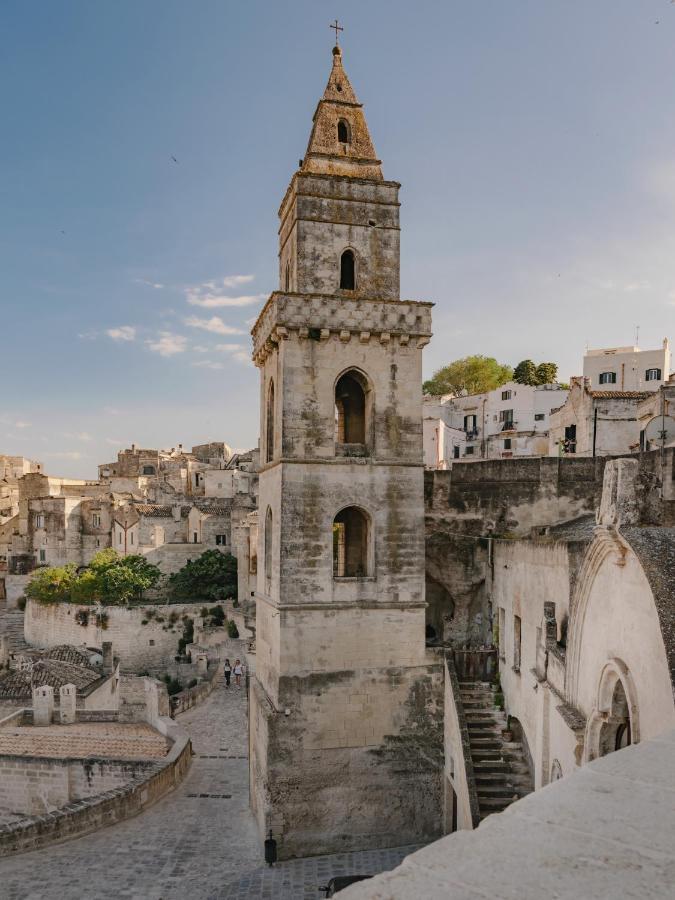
x=340, y=143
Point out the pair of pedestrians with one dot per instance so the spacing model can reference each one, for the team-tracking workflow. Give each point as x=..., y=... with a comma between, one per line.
x=237, y=670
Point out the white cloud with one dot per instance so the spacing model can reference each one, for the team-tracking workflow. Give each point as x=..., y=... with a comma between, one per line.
x=213, y=301
x=231, y=281
x=215, y=325
x=78, y=435
x=168, y=344
x=88, y=335
x=207, y=364
x=236, y=351
x=123, y=333
x=209, y=294
x=200, y=348
x=153, y=284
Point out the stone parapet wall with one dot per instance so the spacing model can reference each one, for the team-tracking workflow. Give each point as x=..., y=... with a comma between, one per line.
x=149, y=784
x=137, y=646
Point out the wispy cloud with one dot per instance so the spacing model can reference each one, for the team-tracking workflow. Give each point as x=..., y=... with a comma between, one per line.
x=113, y=442
x=236, y=351
x=14, y=423
x=78, y=435
x=209, y=294
x=215, y=325
x=207, y=364
x=67, y=454
x=88, y=335
x=153, y=284
x=168, y=344
x=123, y=333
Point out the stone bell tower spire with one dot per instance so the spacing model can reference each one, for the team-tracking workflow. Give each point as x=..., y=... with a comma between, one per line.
x=345, y=702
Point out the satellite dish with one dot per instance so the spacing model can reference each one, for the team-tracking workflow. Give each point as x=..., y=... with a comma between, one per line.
x=659, y=432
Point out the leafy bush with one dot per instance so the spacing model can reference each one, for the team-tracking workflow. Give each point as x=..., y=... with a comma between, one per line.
x=53, y=585
x=212, y=576
x=173, y=685
x=109, y=579
x=217, y=615
x=232, y=629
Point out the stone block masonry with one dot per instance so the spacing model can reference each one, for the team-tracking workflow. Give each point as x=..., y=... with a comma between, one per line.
x=139, y=646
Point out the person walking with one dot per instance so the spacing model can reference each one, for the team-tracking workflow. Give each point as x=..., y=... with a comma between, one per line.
x=227, y=671
x=238, y=671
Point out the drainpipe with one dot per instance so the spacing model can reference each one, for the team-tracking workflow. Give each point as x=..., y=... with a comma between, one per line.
x=623, y=369
x=595, y=428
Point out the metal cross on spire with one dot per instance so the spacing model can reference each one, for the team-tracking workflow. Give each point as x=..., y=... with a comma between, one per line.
x=337, y=28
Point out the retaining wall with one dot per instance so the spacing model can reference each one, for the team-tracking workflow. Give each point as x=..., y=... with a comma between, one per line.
x=88, y=814
x=138, y=647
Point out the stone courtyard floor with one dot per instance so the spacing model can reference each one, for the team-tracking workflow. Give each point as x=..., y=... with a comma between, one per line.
x=198, y=842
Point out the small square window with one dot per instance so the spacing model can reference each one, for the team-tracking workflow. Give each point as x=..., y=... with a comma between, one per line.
x=506, y=395
x=468, y=451
x=43, y=556
x=507, y=443
x=96, y=520
x=221, y=540
x=539, y=417
x=607, y=378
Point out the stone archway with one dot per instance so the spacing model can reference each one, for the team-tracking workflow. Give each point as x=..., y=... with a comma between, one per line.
x=614, y=723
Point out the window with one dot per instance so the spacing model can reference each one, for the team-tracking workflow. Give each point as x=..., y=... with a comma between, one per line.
x=455, y=452
x=148, y=470
x=40, y=520
x=343, y=131
x=288, y=276
x=350, y=408
x=539, y=417
x=570, y=441
x=196, y=479
x=501, y=624
x=221, y=540
x=468, y=451
x=43, y=556
x=119, y=538
x=507, y=443
x=653, y=375
x=350, y=543
x=268, y=544
x=516, y=643
x=96, y=520
x=347, y=271
x=607, y=378
x=506, y=395
x=506, y=416
x=195, y=537
x=269, y=437
x=131, y=538
x=98, y=542
x=470, y=423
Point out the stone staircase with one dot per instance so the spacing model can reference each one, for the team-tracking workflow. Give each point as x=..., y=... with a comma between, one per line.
x=500, y=767
x=11, y=624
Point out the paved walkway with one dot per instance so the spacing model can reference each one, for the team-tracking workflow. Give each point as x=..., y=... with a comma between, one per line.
x=198, y=842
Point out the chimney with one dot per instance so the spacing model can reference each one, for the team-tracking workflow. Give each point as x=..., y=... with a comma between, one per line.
x=108, y=663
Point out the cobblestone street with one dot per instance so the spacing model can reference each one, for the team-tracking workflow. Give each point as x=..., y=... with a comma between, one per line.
x=198, y=842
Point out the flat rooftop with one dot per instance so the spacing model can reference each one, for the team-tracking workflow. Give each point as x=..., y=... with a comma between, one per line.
x=607, y=831
x=111, y=740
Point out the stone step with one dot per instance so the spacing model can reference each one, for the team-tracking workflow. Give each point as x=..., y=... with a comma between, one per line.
x=494, y=804
x=494, y=766
x=478, y=744
x=498, y=791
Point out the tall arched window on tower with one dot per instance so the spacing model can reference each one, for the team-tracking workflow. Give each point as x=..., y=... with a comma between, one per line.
x=347, y=271
x=351, y=538
x=269, y=436
x=268, y=544
x=344, y=132
x=288, y=277
x=350, y=408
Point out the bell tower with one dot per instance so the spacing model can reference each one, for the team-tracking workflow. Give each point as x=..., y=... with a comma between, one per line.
x=346, y=702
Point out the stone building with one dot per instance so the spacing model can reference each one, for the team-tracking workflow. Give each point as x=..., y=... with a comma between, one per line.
x=60, y=521
x=627, y=368
x=509, y=421
x=12, y=468
x=345, y=703
x=596, y=422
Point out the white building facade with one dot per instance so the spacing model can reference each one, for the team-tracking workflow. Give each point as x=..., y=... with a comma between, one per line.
x=627, y=368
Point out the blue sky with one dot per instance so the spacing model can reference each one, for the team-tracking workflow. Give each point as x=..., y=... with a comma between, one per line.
x=534, y=139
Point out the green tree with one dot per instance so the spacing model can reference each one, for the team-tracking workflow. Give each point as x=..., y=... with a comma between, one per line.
x=114, y=580
x=212, y=576
x=52, y=585
x=474, y=374
x=547, y=373
x=525, y=372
